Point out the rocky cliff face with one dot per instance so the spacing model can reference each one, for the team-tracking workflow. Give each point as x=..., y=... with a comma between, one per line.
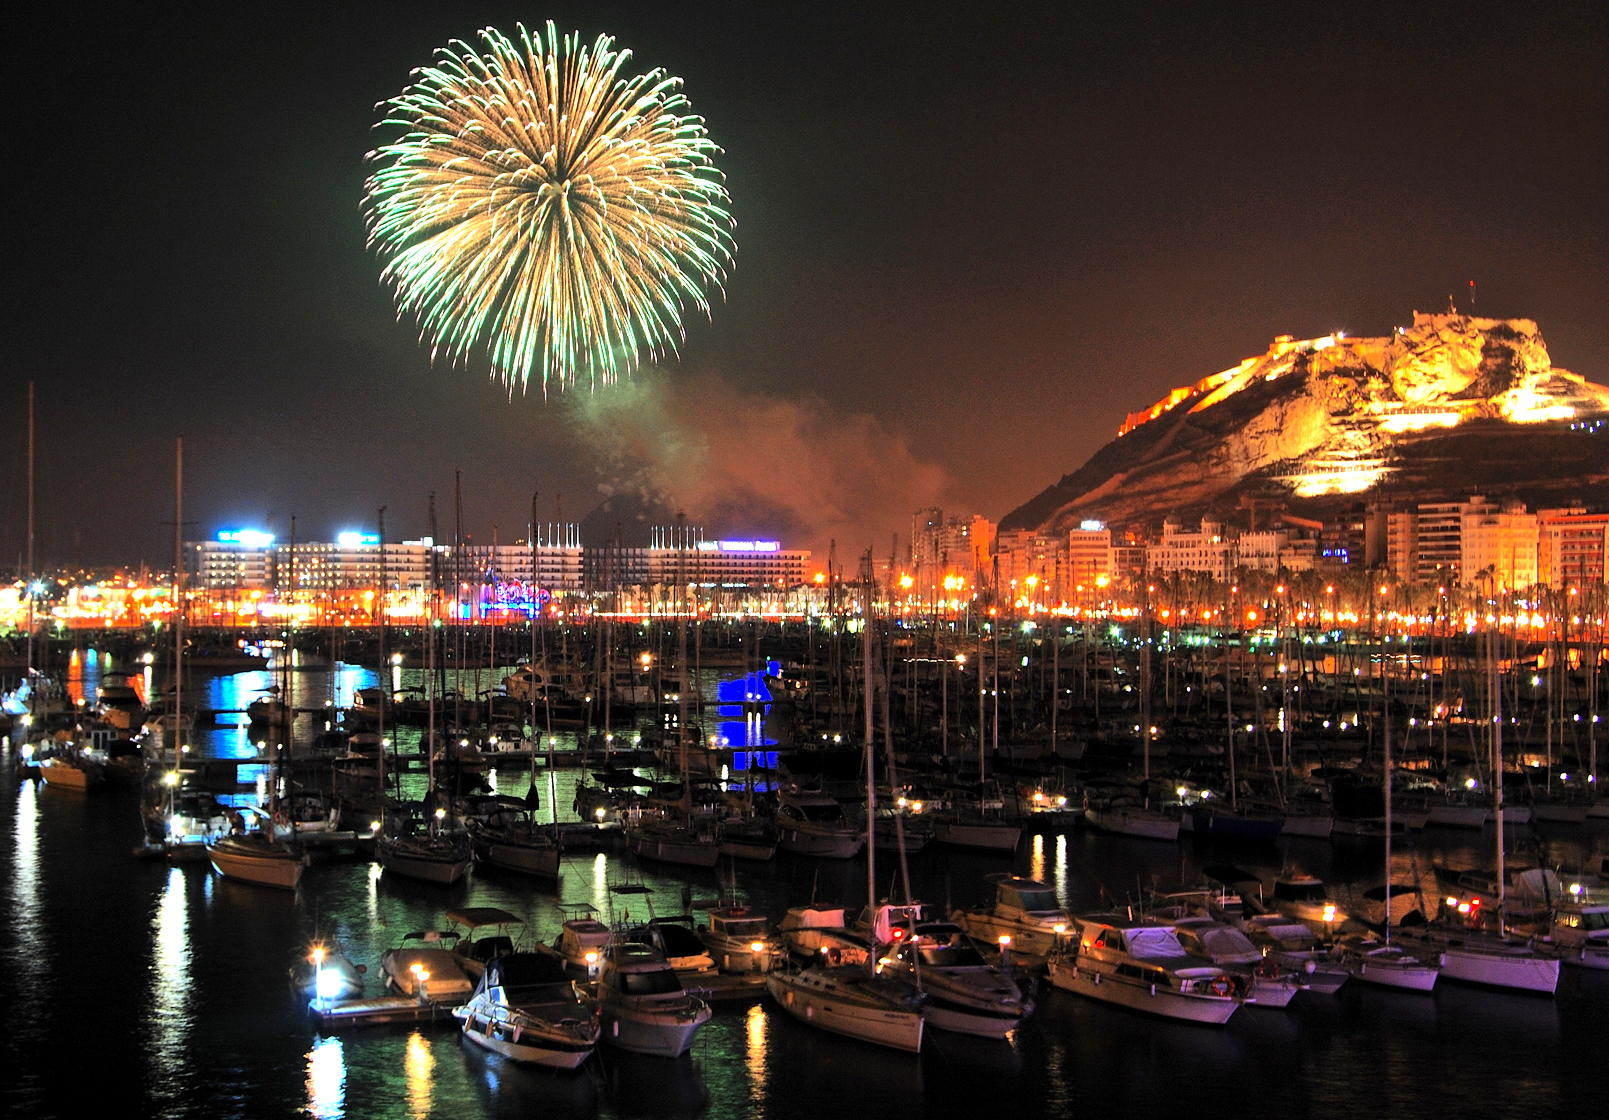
x=1324, y=418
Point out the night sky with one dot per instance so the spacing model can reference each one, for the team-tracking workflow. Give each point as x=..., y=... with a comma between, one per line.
x=967, y=245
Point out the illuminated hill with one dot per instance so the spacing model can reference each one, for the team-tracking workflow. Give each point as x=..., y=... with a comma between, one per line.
x=1452, y=404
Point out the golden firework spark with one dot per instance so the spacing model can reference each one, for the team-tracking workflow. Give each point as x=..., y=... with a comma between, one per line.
x=546, y=210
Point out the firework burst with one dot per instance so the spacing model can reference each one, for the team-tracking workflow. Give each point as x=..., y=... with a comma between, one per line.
x=547, y=210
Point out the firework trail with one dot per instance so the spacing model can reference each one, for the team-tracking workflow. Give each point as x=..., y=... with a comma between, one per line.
x=546, y=210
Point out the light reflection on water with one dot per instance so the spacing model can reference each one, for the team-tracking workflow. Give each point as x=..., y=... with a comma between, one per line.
x=420, y=1065
x=29, y=961
x=756, y=1054
x=326, y=1080
x=1036, y=864
x=168, y=1021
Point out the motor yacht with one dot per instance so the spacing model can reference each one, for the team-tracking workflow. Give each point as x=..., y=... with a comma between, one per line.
x=739, y=939
x=1578, y=934
x=527, y=1008
x=1231, y=950
x=1142, y=966
x=488, y=933
x=644, y=1007
x=325, y=973
x=807, y=931
x=1293, y=945
x=424, y=961
x=813, y=824
x=1024, y=910
x=582, y=940
x=254, y=857
x=965, y=993
x=504, y=833
x=1387, y=965
x=675, y=938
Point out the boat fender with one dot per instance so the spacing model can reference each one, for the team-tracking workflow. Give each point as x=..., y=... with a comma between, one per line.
x=810, y=1012
x=617, y=1028
x=790, y=999
x=1097, y=979
x=1153, y=989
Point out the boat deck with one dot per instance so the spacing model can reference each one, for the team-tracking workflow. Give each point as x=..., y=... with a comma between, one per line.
x=349, y=1013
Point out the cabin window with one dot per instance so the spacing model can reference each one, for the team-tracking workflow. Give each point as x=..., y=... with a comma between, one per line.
x=660, y=982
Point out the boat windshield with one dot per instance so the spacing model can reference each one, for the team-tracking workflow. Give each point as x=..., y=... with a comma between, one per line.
x=951, y=956
x=659, y=982
x=824, y=814
x=1036, y=901
x=1299, y=890
x=744, y=928
x=1595, y=919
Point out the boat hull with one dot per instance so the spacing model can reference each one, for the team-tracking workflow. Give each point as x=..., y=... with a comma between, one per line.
x=1310, y=827
x=649, y=1034
x=530, y=1049
x=1208, y=1010
x=1457, y=816
x=66, y=777
x=527, y=859
x=899, y=1030
x=686, y=853
x=964, y=1020
x=1558, y=813
x=1147, y=826
x=441, y=870
x=1415, y=977
x=988, y=836
x=1527, y=972
x=821, y=845
x=264, y=870
x=1237, y=828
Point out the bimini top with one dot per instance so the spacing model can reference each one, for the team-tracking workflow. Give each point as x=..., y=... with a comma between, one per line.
x=472, y=917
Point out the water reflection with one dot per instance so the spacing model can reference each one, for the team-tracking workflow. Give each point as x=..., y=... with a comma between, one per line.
x=1036, y=864
x=326, y=1080
x=28, y=961
x=420, y=1065
x=756, y=1054
x=168, y=1021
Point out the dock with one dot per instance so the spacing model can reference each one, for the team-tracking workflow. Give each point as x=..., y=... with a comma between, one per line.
x=347, y=1014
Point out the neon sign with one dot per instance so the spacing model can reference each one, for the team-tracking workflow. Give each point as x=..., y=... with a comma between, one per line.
x=251, y=538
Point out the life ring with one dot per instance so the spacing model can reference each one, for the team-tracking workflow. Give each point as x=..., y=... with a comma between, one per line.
x=1267, y=969
x=1222, y=986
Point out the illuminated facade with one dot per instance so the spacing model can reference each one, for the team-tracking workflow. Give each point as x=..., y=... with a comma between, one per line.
x=1571, y=547
x=1499, y=542
x=1206, y=549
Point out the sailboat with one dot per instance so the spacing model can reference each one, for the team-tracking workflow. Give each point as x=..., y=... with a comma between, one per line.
x=1378, y=962
x=849, y=999
x=1471, y=954
x=427, y=849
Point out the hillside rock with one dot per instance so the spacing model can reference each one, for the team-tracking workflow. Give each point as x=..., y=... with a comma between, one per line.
x=1314, y=421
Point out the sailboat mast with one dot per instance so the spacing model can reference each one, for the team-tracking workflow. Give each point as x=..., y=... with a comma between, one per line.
x=1495, y=640
x=178, y=594
x=1386, y=697
x=28, y=669
x=379, y=608
x=430, y=666
x=871, y=782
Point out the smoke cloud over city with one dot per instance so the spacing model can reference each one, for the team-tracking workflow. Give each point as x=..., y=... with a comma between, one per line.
x=745, y=463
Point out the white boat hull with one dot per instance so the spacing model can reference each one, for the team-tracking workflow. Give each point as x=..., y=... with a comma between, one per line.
x=445, y=872
x=822, y=845
x=1526, y=972
x=993, y=837
x=265, y=871
x=1457, y=816
x=519, y=857
x=649, y=1034
x=686, y=853
x=901, y=1030
x=1148, y=826
x=529, y=1049
x=1556, y=813
x=1414, y=977
x=1152, y=1000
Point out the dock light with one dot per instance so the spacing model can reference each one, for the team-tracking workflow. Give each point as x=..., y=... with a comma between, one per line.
x=1005, y=939
x=756, y=946
x=599, y=813
x=1059, y=928
x=591, y=957
x=1181, y=791
x=1329, y=911
x=916, y=806
x=900, y=801
x=1451, y=901
x=1575, y=888
x=1463, y=907
x=1060, y=801
x=171, y=778
x=1470, y=783
x=1038, y=796
x=374, y=826
x=441, y=814
x=647, y=660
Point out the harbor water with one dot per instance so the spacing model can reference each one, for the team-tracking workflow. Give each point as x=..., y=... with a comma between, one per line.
x=163, y=990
